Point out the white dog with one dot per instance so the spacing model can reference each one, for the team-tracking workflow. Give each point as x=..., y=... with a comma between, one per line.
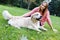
x=19, y=21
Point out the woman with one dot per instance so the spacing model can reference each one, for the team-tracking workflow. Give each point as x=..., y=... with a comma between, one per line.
x=43, y=9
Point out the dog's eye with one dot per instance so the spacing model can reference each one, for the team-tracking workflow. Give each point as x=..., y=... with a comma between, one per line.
x=37, y=14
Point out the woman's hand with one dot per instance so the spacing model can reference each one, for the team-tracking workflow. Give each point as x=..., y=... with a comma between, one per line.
x=55, y=30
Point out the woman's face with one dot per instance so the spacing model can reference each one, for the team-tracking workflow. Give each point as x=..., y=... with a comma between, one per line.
x=43, y=5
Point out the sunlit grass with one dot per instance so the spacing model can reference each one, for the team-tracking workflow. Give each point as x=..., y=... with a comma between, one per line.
x=8, y=32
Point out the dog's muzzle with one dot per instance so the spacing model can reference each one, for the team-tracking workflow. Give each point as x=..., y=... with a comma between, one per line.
x=39, y=18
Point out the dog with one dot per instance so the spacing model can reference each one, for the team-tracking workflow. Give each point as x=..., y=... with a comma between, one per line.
x=20, y=21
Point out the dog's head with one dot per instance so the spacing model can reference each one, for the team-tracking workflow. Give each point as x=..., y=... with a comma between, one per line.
x=36, y=16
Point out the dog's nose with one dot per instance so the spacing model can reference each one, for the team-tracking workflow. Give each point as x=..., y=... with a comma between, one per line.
x=40, y=17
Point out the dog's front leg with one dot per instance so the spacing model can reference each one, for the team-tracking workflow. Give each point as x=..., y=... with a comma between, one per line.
x=41, y=27
x=36, y=28
x=17, y=26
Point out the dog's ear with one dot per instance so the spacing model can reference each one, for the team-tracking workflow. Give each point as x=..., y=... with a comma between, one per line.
x=32, y=15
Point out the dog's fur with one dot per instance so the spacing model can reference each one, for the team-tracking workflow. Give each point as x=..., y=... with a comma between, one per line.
x=19, y=21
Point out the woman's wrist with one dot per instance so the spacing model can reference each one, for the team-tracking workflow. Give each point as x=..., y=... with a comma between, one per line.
x=51, y=27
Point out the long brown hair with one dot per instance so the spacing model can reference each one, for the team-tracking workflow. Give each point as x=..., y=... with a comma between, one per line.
x=46, y=7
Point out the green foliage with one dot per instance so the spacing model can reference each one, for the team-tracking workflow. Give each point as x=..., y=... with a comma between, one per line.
x=54, y=7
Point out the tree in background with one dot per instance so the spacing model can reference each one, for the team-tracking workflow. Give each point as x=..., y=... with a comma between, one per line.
x=29, y=3
x=54, y=7
x=35, y=3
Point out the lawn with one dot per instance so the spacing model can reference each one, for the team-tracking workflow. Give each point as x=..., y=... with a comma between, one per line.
x=8, y=32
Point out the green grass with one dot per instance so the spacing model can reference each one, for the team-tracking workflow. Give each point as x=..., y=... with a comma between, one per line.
x=12, y=33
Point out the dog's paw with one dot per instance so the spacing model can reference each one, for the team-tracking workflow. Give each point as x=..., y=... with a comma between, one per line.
x=42, y=28
x=39, y=32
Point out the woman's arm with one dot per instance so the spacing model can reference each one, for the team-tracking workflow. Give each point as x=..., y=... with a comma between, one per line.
x=31, y=12
x=49, y=20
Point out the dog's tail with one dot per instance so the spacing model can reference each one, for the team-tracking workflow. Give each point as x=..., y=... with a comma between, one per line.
x=6, y=15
